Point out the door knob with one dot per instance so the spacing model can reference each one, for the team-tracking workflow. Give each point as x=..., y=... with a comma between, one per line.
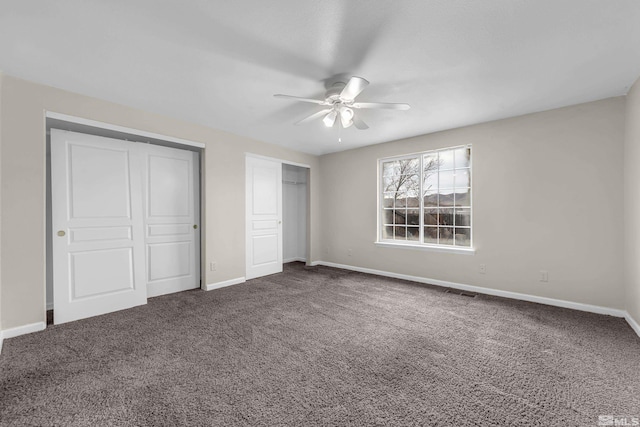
x=279, y=222
x=195, y=226
x=61, y=233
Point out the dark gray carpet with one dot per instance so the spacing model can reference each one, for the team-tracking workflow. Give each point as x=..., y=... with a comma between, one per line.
x=321, y=346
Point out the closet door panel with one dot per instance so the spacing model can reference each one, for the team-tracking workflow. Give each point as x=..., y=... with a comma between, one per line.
x=97, y=219
x=171, y=219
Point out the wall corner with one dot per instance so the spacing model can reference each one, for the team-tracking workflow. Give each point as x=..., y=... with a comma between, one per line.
x=631, y=201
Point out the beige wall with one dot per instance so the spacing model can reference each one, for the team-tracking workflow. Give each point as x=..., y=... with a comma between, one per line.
x=632, y=202
x=22, y=180
x=547, y=195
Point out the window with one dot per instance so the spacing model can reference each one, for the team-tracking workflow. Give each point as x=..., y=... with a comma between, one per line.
x=425, y=198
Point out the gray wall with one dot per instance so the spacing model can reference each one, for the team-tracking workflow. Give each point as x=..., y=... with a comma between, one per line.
x=547, y=195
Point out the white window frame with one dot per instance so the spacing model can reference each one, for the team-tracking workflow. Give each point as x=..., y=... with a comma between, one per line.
x=419, y=245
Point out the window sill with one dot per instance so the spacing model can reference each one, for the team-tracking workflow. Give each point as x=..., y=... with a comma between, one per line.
x=446, y=249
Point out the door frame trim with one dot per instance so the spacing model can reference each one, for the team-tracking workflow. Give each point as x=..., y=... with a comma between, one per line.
x=118, y=128
x=275, y=159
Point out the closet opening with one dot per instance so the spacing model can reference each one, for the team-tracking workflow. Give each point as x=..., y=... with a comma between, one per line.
x=294, y=212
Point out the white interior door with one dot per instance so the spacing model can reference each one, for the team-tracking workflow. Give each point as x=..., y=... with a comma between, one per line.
x=172, y=231
x=96, y=218
x=264, y=217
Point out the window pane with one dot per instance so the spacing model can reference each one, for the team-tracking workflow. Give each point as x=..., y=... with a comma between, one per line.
x=410, y=166
x=431, y=235
x=413, y=233
x=463, y=236
x=401, y=201
x=390, y=168
x=387, y=232
x=463, y=179
x=431, y=181
x=389, y=183
x=413, y=217
x=413, y=202
x=387, y=216
x=430, y=164
x=388, y=199
x=462, y=157
x=463, y=197
x=446, y=179
x=446, y=159
x=400, y=216
x=400, y=233
x=431, y=217
x=445, y=217
x=446, y=235
x=409, y=185
x=463, y=217
x=445, y=198
x=431, y=198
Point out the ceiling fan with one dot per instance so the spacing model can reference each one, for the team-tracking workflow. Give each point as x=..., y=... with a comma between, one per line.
x=340, y=103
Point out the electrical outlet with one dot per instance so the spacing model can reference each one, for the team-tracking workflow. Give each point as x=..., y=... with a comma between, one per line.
x=482, y=268
x=349, y=252
x=544, y=276
x=212, y=266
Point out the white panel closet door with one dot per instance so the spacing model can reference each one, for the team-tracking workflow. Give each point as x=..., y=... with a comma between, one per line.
x=172, y=234
x=264, y=217
x=96, y=218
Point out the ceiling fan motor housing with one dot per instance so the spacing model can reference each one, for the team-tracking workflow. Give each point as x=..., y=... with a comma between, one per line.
x=333, y=93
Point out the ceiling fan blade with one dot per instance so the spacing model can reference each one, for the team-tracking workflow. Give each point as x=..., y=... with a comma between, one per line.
x=353, y=88
x=381, y=105
x=313, y=116
x=359, y=123
x=297, y=98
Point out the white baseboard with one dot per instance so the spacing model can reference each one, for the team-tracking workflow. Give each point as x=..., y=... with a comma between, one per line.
x=488, y=291
x=21, y=330
x=299, y=259
x=632, y=322
x=225, y=283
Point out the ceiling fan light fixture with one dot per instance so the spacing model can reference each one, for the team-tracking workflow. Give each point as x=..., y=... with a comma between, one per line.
x=346, y=117
x=330, y=118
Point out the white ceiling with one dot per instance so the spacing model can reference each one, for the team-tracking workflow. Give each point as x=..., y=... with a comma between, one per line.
x=218, y=63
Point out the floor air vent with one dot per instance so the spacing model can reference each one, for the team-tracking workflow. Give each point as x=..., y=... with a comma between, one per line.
x=459, y=292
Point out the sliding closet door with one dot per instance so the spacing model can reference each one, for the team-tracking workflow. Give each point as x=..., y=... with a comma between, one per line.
x=97, y=219
x=171, y=219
